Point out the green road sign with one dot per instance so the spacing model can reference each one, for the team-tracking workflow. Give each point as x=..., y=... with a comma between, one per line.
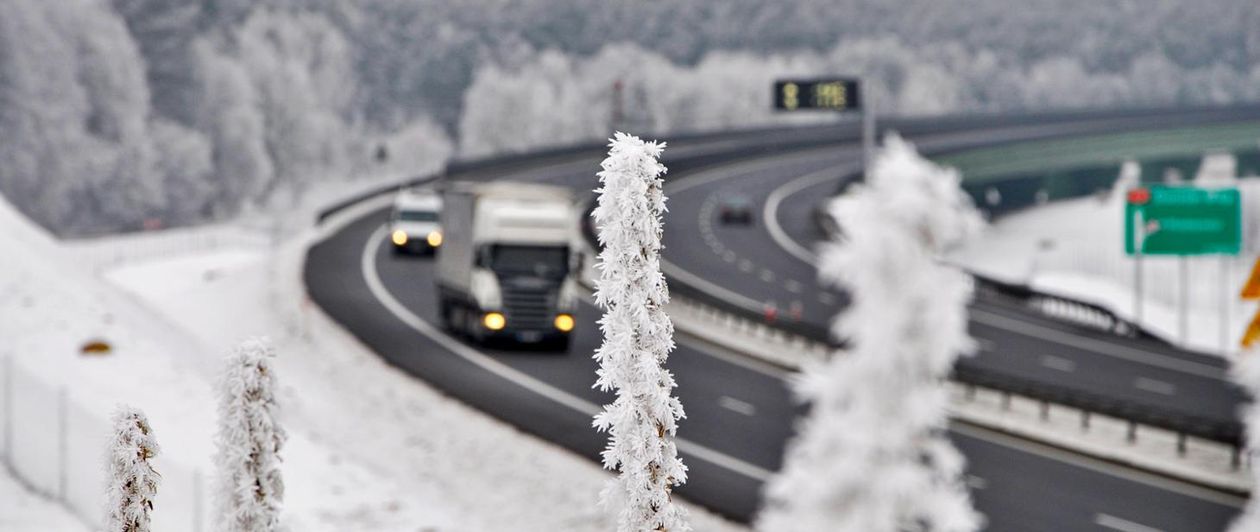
x=1173, y=220
x=839, y=94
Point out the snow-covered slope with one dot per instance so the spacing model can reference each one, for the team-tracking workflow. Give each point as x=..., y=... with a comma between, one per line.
x=50, y=307
x=363, y=452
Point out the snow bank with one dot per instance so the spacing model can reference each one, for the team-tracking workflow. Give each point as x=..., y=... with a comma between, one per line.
x=1074, y=248
x=50, y=307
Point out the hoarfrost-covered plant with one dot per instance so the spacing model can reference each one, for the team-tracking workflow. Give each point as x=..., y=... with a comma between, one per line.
x=132, y=480
x=638, y=336
x=1246, y=372
x=249, y=486
x=873, y=454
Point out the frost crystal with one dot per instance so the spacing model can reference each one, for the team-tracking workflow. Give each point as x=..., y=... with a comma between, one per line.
x=638, y=336
x=873, y=455
x=132, y=480
x=250, y=488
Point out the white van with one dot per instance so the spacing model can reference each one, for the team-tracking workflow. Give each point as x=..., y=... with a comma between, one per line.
x=413, y=223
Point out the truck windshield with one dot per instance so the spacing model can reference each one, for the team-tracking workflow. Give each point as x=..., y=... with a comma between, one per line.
x=417, y=216
x=550, y=262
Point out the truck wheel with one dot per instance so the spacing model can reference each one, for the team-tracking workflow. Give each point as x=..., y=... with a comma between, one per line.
x=561, y=345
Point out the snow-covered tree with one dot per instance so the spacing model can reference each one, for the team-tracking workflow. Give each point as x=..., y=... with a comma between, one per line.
x=132, y=480
x=249, y=486
x=1246, y=372
x=638, y=336
x=873, y=456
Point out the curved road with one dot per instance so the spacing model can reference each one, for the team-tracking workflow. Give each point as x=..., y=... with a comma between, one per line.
x=739, y=412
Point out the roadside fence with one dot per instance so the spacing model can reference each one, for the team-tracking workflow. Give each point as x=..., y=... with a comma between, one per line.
x=57, y=447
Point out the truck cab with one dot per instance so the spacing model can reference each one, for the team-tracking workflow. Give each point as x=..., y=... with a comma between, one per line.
x=413, y=222
x=508, y=269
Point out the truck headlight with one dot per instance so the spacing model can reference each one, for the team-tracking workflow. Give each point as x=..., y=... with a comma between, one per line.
x=494, y=321
x=434, y=238
x=564, y=322
x=399, y=237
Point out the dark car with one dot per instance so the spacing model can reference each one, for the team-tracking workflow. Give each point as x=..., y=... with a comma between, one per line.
x=735, y=210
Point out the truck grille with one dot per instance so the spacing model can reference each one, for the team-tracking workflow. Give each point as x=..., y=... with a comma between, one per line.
x=529, y=308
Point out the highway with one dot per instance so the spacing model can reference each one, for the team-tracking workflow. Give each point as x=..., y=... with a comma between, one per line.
x=739, y=412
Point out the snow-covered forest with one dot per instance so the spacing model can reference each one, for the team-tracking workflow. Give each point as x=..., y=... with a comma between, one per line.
x=114, y=113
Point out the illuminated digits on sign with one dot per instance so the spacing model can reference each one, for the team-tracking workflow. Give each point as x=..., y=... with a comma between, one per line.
x=791, y=96
x=830, y=95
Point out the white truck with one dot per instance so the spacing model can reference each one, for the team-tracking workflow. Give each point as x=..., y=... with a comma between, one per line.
x=413, y=222
x=508, y=267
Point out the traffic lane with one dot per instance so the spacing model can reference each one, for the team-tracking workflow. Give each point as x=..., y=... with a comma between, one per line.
x=1026, y=487
x=336, y=285
x=771, y=276
x=708, y=387
x=797, y=210
x=1063, y=366
x=1057, y=504
x=335, y=282
x=741, y=258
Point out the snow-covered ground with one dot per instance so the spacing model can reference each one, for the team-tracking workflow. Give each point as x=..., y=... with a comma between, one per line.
x=1075, y=248
x=24, y=511
x=371, y=448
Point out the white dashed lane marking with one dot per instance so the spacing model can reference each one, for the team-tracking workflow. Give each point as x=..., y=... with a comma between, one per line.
x=735, y=405
x=1112, y=522
x=745, y=265
x=1154, y=386
x=792, y=285
x=976, y=483
x=1058, y=363
x=767, y=275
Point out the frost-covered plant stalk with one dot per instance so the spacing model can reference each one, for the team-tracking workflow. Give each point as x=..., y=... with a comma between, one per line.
x=873, y=456
x=1246, y=372
x=638, y=336
x=132, y=480
x=249, y=486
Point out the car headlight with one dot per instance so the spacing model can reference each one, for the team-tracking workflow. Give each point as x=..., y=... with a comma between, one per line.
x=434, y=238
x=399, y=237
x=494, y=321
x=564, y=322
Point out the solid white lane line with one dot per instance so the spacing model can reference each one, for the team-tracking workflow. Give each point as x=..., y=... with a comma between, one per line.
x=737, y=406
x=1057, y=363
x=1097, y=346
x=1122, y=525
x=798, y=250
x=1155, y=386
x=367, y=264
x=377, y=287
x=770, y=211
x=1098, y=466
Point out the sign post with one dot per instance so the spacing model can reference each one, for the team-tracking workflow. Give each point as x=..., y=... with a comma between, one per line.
x=1180, y=221
x=833, y=94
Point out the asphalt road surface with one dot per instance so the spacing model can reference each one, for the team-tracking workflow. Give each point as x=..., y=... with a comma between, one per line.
x=739, y=412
